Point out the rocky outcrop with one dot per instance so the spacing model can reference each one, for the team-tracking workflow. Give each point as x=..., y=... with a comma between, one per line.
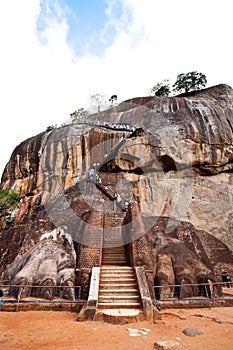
x=173, y=156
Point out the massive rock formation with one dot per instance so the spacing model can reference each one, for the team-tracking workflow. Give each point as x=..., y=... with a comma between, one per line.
x=173, y=156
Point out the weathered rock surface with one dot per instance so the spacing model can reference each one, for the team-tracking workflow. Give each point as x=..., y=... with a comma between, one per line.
x=50, y=263
x=178, y=165
x=191, y=132
x=182, y=256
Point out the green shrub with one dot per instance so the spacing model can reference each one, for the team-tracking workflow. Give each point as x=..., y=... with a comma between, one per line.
x=8, y=202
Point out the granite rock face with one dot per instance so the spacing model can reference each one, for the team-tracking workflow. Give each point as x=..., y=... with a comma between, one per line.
x=173, y=156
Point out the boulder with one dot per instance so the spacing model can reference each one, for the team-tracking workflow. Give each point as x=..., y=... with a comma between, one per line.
x=165, y=344
x=192, y=332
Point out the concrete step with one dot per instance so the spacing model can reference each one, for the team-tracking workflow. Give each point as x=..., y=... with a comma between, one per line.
x=113, y=239
x=120, y=296
x=110, y=263
x=118, y=262
x=115, y=260
x=119, y=246
x=118, y=299
x=114, y=257
x=121, y=277
x=116, y=268
x=113, y=274
x=117, y=279
x=123, y=286
x=111, y=254
x=111, y=250
x=119, y=305
x=112, y=244
x=109, y=245
x=132, y=291
x=117, y=272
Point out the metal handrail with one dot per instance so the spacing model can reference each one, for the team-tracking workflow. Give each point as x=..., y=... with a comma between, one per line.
x=6, y=288
x=158, y=293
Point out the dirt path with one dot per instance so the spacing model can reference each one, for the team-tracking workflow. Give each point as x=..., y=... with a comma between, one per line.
x=43, y=330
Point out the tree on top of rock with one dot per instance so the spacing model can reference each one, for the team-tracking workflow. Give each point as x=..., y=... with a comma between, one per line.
x=79, y=114
x=161, y=88
x=189, y=82
x=113, y=99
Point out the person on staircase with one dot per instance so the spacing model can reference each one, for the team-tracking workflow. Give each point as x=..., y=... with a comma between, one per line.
x=226, y=279
x=91, y=174
x=119, y=202
x=98, y=179
x=118, y=199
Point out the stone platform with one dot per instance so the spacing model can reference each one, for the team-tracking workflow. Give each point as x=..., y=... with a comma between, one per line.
x=122, y=316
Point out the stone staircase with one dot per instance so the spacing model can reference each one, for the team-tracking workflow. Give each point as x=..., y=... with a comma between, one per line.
x=113, y=251
x=118, y=288
x=113, y=255
x=118, y=293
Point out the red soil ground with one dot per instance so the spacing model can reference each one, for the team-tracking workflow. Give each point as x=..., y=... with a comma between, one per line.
x=43, y=330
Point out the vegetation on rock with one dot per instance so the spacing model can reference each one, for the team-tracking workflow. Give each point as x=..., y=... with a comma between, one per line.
x=185, y=82
x=80, y=114
x=190, y=81
x=50, y=127
x=161, y=88
x=8, y=202
x=113, y=99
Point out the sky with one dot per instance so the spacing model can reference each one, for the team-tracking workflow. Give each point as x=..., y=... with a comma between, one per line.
x=55, y=54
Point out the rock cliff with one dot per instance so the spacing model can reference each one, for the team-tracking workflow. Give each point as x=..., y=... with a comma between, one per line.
x=173, y=156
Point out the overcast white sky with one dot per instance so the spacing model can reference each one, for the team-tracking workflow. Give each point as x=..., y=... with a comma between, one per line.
x=56, y=53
